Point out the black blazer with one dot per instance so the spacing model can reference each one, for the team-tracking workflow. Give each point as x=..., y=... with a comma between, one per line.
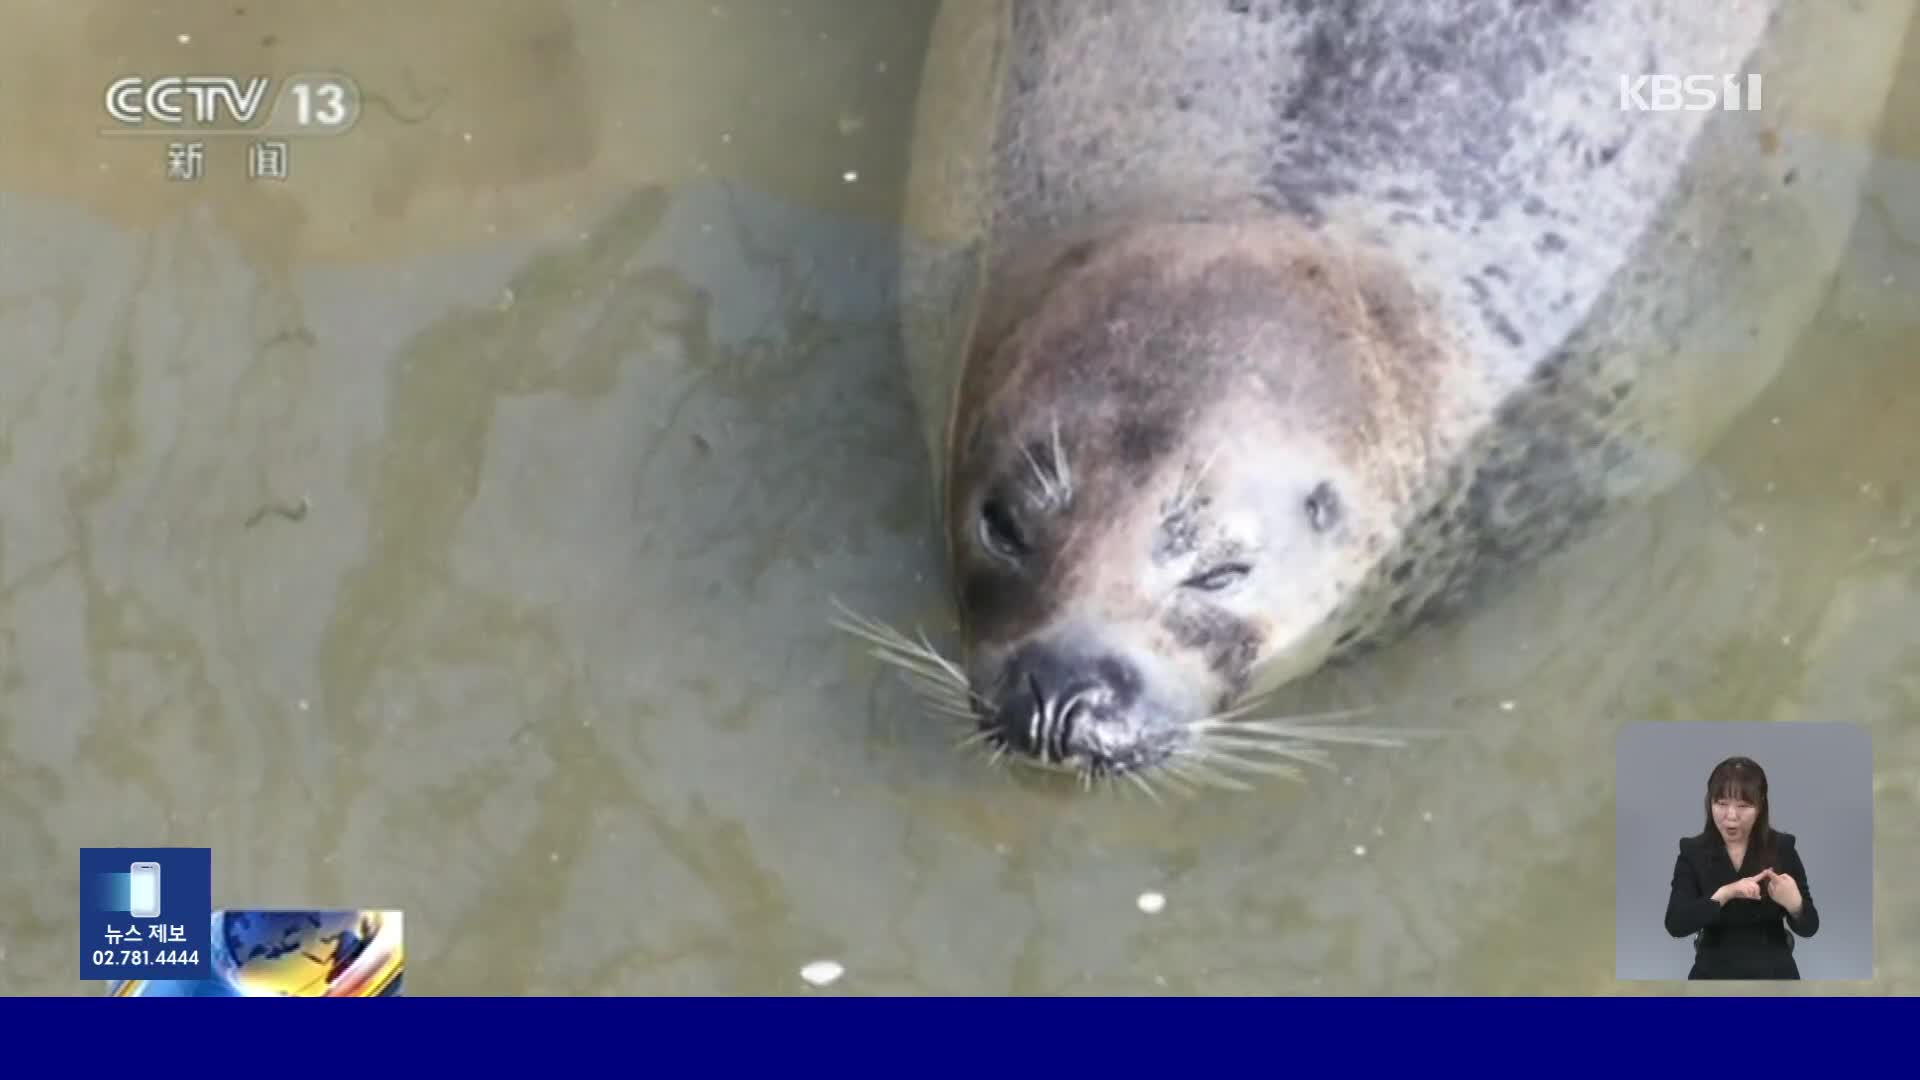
x=1742, y=939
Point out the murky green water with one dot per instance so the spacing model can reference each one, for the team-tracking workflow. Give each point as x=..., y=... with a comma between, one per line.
x=580, y=358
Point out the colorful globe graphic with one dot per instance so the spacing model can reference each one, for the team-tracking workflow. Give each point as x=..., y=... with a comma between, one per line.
x=293, y=954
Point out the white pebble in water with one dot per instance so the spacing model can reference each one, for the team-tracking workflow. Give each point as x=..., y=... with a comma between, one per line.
x=1152, y=902
x=1506, y=706
x=1426, y=815
x=849, y=176
x=1360, y=850
x=822, y=972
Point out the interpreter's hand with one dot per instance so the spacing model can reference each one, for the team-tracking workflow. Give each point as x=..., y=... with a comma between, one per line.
x=1784, y=890
x=1747, y=888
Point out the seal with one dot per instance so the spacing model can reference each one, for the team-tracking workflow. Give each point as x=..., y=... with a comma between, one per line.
x=1249, y=334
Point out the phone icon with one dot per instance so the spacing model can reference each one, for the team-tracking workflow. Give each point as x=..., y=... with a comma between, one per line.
x=143, y=892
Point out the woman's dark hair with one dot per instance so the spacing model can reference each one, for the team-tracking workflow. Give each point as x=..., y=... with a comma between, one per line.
x=1742, y=780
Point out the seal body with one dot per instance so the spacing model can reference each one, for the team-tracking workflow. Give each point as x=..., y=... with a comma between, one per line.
x=1248, y=333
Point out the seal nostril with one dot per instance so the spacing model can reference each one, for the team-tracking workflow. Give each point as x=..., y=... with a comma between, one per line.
x=1063, y=731
x=1078, y=717
x=1122, y=680
x=1054, y=702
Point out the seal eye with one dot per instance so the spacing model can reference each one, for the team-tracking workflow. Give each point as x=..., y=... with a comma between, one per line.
x=999, y=532
x=1323, y=507
x=1218, y=578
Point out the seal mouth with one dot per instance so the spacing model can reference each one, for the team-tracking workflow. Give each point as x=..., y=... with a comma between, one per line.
x=1087, y=732
x=1229, y=749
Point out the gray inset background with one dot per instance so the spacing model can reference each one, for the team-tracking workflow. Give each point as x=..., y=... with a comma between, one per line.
x=1820, y=785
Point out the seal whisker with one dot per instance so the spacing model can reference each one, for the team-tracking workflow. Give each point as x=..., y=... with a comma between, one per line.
x=1140, y=782
x=1307, y=755
x=1178, y=776
x=935, y=657
x=1247, y=707
x=1034, y=764
x=923, y=679
x=939, y=694
x=975, y=738
x=852, y=622
x=1043, y=482
x=1285, y=730
x=1231, y=714
x=1198, y=767
x=939, y=682
x=946, y=706
x=1062, y=470
x=949, y=703
x=1269, y=768
x=1053, y=480
x=944, y=699
x=1192, y=765
x=947, y=692
x=914, y=662
x=1257, y=702
x=894, y=642
x=1189, y=487
x=935, y=684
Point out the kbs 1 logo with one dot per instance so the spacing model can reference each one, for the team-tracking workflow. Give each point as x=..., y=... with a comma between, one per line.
x=1689, y=93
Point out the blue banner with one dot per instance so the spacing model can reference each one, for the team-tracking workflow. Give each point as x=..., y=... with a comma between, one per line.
x=145, y=913
x=1825, y=1036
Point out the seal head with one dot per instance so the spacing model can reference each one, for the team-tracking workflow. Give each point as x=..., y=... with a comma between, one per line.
x=1171, y=471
